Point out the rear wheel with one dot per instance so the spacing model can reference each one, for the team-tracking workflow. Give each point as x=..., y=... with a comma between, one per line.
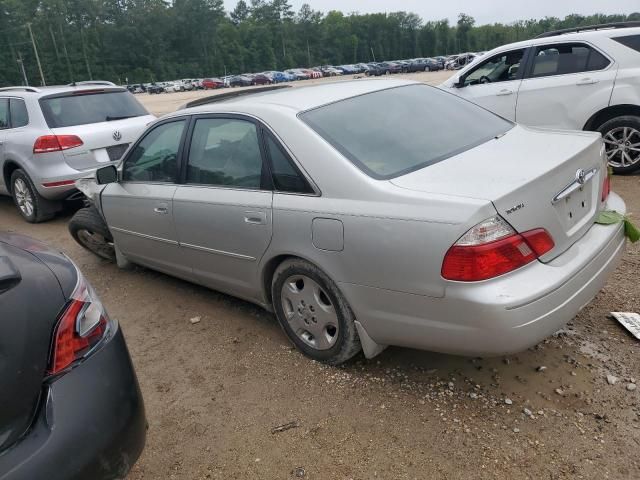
x=30, y=204
x=87, y=227
x=621, y=137
x=313, y=313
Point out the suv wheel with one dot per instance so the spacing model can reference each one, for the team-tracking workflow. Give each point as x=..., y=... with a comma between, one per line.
x=29, y=202
x=621, y=137
x=313, y=313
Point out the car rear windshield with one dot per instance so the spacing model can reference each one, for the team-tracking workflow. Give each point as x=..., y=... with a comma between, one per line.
x=78, y=108
x=391, y=132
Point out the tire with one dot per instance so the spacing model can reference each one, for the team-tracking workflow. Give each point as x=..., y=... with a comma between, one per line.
x=32, y=207
x=305, y=301
x=427, y=68
x=87, y=227
x=623, y=157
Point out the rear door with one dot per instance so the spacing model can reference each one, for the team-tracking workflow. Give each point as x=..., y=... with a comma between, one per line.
x=106, y=120
x=565, y=84
x=494, y=83
x=139, y=208
x=223, y=210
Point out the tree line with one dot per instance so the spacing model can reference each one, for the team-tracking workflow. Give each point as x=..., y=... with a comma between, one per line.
x=150, y=40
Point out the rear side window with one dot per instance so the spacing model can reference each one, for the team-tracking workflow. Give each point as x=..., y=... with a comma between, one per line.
x=392, y=132
x=562, y=59
x=631, y=41
x=78, y=108
x=4, y=113
x=19, y=115
x=286, y=177
x=225, y=152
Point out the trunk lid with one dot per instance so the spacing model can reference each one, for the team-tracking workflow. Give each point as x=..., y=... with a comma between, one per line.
x=31, y=298
x=530, y=175
x=102, y=142
x=107, y=120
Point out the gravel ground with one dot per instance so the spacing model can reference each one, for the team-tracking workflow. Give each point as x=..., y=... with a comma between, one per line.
x=215, y=390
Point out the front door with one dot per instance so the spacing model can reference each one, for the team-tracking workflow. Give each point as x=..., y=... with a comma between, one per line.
x=494, y=83
x=139, y=208
x=565, y=85
x=223, y=209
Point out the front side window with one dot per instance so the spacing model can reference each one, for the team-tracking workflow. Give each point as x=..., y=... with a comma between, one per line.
x=155, y=158
x=19, y=115
x=392, y=132
x=562, y=59
x=499, y=68
x=225, y=152
x=4, y=113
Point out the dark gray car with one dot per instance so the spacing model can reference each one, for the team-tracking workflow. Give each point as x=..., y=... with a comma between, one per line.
x=70, y=405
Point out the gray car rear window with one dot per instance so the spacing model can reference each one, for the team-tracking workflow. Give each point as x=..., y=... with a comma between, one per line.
x=82, y=108
x=392, y=132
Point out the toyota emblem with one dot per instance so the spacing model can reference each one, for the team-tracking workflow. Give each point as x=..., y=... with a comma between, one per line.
x=117, y=136
x=581, y=176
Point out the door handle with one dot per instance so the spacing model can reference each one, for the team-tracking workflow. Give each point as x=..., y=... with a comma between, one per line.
x=255, y=218
x=161, y=209
x=504, y=92
x=586, y=81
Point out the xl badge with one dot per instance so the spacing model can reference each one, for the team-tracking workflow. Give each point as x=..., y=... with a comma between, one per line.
x=117, y=136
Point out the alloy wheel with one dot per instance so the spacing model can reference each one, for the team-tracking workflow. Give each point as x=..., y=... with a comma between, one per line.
x=622, y=146
x=23, y=197
x=310, y=312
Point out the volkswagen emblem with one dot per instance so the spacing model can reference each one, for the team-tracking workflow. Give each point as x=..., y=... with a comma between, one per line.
x=581, y=176
x=117, y=136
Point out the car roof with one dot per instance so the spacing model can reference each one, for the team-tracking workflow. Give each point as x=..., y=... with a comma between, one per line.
x=300, y=99
x=572, y=36
x=56, y=89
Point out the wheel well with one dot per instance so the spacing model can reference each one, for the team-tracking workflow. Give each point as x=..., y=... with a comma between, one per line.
x=608, y=113
x=267, y=274
x=8, y=169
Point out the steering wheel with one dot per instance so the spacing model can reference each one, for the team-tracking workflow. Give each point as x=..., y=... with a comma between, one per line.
x=484, y=79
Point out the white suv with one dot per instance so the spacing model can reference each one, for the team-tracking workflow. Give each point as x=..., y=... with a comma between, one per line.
x=52, y=136
x=579, y=79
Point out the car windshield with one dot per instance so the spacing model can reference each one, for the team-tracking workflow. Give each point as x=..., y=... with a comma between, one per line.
x=79, y=108
x=392, y=132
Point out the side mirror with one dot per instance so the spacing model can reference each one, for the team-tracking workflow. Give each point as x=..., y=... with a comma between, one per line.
x=108, y=174
x=459, y=83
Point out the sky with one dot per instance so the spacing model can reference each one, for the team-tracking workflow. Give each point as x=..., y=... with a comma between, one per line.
x=484, y=11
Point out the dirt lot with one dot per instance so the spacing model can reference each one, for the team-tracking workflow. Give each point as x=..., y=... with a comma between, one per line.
x=215, y=390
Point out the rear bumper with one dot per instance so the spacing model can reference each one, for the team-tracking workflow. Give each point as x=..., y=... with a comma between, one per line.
x=92, y=425
x=66, y=174
x=504, y=315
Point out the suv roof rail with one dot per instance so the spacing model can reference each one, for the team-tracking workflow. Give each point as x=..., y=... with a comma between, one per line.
x=92, y=82
x=24, y=89
x=228, y=95
x=601, y=26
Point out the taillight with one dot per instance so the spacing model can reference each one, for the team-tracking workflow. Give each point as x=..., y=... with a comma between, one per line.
x=82, y=325
x=493, y=248
x=606, y=187
x=56, y=143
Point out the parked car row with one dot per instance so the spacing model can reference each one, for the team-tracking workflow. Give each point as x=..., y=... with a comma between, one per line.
x=290, y=75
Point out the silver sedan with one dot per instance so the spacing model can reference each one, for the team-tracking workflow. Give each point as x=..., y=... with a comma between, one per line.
x=371, y=213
